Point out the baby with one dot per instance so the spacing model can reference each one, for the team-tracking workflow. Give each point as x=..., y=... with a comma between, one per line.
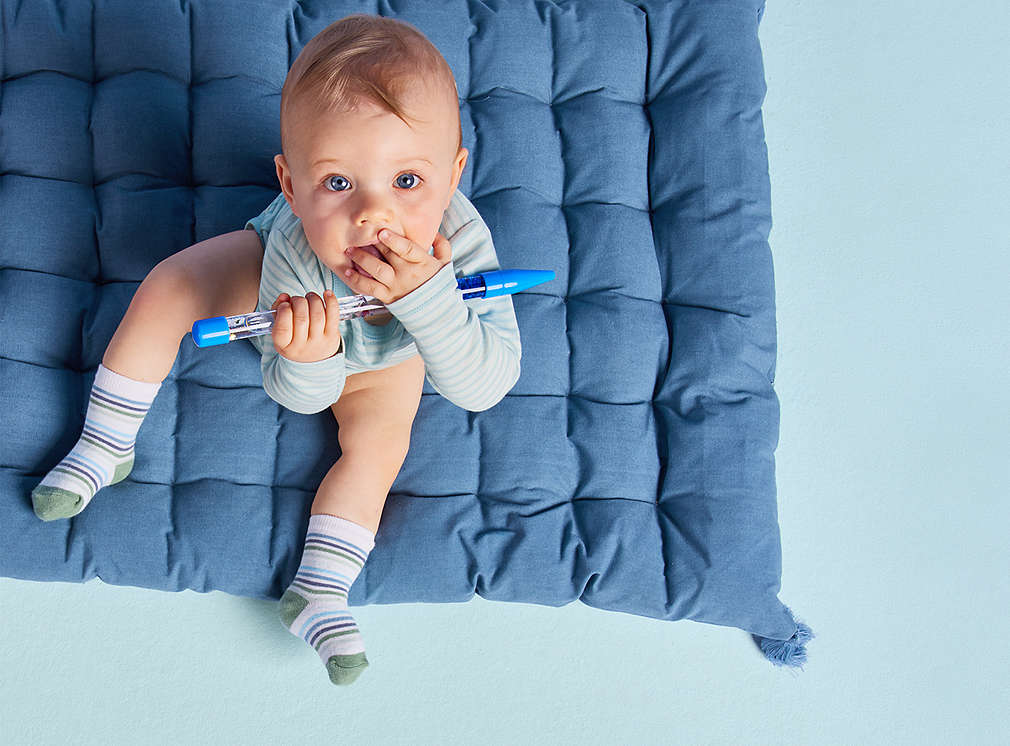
x=372, y=156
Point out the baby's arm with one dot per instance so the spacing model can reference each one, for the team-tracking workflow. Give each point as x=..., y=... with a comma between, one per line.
x=303, y=387
x=471, y=351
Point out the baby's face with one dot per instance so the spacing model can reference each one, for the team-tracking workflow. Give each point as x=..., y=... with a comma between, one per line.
x=354, y=173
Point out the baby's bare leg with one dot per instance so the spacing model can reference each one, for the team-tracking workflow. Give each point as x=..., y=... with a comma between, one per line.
x=216, y=277
x=375, y=414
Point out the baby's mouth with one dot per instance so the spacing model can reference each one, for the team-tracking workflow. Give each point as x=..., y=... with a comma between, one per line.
x=374, y=252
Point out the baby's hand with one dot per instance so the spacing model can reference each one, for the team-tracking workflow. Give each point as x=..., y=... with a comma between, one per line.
x=407, y=266
x=305, y=329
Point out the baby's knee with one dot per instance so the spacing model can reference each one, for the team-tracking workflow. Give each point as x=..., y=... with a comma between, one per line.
x=219, y=276
x=166, y=288
x=377, y=441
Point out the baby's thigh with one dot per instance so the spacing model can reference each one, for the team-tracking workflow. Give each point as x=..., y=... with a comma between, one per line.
x=221, y=274
x=376, y=410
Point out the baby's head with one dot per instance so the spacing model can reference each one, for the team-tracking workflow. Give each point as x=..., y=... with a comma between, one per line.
x=371, y=136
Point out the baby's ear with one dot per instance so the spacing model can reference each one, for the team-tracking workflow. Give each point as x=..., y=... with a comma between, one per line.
x=457, y=171
x=284, y=178
x=461, y=160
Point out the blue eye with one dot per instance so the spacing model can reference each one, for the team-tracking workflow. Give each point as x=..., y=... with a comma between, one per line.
x=409, y=176
x=330, y=180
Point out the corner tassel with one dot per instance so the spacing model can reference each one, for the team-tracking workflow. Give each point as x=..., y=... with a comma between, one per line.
x=791, y=652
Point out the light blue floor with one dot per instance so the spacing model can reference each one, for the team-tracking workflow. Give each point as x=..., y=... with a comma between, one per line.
x=887, y=130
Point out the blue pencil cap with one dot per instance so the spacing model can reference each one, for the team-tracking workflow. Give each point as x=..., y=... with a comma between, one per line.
x=210, y=332
x=508, y=281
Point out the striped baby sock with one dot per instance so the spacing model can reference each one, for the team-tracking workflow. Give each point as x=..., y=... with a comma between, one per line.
x=104, y=453
x=314, y=607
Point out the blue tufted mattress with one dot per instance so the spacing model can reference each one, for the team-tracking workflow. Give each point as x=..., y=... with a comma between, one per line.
x=619, y=144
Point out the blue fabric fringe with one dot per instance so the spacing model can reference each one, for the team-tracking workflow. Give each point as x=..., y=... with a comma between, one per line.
x=791, y=652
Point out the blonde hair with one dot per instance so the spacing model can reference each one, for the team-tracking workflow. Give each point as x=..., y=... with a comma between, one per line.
x=363, y=58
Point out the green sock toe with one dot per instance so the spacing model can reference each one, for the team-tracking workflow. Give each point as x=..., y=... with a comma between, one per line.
x=344, y=669
x=290, y=606
x=52, y=503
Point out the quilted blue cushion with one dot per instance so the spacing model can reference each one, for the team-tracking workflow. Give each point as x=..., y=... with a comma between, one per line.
x=619, y=144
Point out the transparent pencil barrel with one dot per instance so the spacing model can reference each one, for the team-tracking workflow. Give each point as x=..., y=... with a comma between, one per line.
x=249, y=324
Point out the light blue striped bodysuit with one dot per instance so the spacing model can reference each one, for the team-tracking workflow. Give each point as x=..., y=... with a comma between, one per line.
x=471, y=350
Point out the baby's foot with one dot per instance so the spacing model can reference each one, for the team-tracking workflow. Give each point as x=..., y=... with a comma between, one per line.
x=330, y=630
x=314, y=607
x=104, y=453
x=68, y=488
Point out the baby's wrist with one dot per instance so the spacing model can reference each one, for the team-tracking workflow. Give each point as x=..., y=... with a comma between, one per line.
x=340, y=349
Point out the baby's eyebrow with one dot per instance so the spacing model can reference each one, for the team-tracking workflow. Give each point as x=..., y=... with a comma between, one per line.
x=405, y=160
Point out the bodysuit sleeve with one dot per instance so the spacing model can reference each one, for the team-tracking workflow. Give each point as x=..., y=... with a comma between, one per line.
x=471, y=350
x=305, y=388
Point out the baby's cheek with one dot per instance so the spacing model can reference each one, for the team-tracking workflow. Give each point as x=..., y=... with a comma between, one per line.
x=324, y=240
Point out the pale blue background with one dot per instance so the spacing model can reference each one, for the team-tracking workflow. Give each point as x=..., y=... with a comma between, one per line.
x=887, y=130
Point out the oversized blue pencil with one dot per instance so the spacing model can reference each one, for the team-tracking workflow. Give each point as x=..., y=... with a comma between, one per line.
x=220, y=330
